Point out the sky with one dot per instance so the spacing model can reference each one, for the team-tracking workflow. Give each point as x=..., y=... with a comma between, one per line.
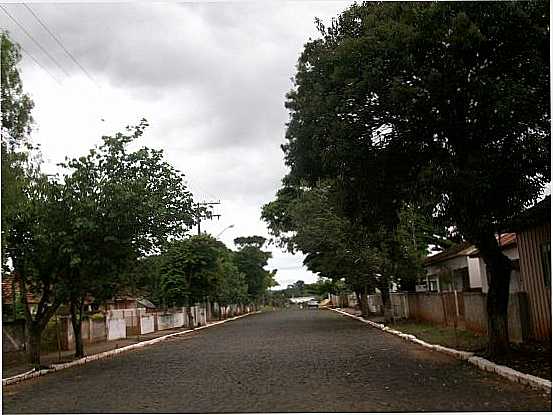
x=210, y=78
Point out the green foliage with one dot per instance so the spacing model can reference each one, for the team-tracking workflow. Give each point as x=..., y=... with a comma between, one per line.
x=256, y=241
x=16, y=109
x=119, y=205
x=447, y=100
x=16, y=105
x=143, y=278
x=251, y=261
x=191, y=270
x=233, y=286
x=439, y=105
x=313, y=223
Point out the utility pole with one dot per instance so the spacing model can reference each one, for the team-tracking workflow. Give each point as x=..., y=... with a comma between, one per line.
x=199, y=205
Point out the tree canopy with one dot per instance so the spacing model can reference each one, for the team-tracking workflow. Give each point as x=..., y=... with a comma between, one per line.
x=441, y=106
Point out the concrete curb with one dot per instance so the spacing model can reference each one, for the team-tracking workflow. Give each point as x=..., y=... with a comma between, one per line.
x=480, y=362
x=56, y=367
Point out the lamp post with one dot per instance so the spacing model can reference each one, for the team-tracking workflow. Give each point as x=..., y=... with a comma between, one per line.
x=220, y=233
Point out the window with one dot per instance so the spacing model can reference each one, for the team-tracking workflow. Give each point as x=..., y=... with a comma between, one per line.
x=545, y=250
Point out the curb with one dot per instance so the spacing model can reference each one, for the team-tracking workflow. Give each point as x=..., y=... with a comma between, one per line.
x=483, y=364
x=57, y=367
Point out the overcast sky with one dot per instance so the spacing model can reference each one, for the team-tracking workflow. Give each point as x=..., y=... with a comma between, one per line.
x=209, y=77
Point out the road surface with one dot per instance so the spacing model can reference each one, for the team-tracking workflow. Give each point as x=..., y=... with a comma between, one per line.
x=283, y=361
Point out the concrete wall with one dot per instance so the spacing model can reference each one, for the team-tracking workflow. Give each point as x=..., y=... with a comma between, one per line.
x=426, y=306
x=147, y=324
x=476, y=317
x=13, y=336
x=400, y=305
x=117, y=328
x=92, y=331
x=375, y=303
x=429, y=307
x=170, y=320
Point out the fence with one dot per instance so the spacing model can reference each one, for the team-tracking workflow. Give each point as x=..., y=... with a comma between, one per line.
x=466, y=309
x=114, y=325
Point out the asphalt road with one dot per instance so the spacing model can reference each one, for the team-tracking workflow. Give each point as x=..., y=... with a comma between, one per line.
x=284, y=361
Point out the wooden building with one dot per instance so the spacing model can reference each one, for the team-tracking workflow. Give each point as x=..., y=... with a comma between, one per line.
x=533, y=230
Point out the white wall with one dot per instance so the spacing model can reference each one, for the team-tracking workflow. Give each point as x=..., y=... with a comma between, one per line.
x=146, y=324
x=117, y=328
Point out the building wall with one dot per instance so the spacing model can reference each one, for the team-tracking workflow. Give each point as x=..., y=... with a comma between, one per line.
x=533, y=279
x=515, y=283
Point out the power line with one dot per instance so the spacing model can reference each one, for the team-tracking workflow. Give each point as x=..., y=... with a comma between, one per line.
x=60, y=43
x=40, y=65
x=34, y=40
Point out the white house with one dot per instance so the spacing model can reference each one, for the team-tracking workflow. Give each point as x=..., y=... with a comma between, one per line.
x=461, y=268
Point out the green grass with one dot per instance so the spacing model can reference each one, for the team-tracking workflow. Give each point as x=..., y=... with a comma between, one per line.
x=446, y=336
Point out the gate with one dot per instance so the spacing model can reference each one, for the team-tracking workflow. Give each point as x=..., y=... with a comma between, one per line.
x=453, y=306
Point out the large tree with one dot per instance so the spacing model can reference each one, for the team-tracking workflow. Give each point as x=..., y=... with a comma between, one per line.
x=15, y=131
x=35, y=247
x=192, y=270
x=449, y=100
x=120, y=205
x=310, y=221
x=251, y=260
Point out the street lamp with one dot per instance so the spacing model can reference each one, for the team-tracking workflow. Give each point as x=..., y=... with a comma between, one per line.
x=220, y=233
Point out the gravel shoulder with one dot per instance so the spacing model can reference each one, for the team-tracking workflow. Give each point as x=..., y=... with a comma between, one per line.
x=283, y=361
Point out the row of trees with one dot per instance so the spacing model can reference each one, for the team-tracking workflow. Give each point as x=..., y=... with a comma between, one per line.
x=412, y=125
x=200, y=268
x=111, y=215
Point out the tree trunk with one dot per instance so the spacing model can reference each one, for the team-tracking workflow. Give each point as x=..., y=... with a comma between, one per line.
x=77, y=309
x=363, y=302
x=386, y=301
x=499, y=267
x=190, y=318
x=497, y=305
x=34, y=325
x=34, y=333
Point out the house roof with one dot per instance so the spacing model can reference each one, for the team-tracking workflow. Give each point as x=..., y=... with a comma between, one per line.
x=506, y=240
x=467, y=249
x=7, y=290
x=538, y=214
x=145, y=302
x=461, y=249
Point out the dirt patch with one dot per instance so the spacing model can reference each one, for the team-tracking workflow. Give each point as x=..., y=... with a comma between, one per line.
x=531, y=358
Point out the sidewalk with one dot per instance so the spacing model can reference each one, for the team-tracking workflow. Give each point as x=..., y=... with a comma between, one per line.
x=17, y=360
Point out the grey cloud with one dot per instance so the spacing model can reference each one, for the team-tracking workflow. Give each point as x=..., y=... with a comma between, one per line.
x=210, y=78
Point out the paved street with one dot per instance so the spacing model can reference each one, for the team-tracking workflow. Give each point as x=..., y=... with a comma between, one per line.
x=285, y=361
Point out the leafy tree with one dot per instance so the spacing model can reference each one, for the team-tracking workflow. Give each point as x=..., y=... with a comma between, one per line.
x=192, y=270
x=251, y=260
x=120, y=205
x=310, y=220
x=35, y=246
x=233, y=287
x=449, y=100
x=16, y=126
x=143, y=278
x=31, y=217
